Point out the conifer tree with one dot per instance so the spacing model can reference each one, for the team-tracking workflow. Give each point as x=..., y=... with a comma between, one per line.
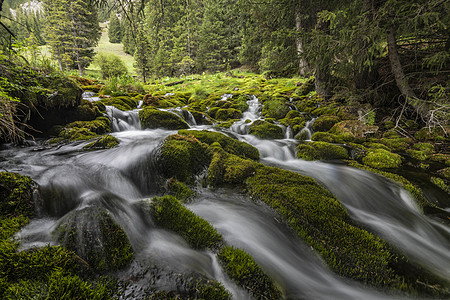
x=114, y=29
x=72, y=30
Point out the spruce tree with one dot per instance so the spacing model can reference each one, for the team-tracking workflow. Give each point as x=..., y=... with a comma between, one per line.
x=72, y=30
x=114, y=29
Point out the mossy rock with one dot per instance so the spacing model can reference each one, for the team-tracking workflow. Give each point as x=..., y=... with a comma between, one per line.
x=94, y=235
x=353, y=128
x=87, y=111
x=324, y=123
x=196, y=289
x=445, y=173
x=396, y=144
x=418, y=155
x=230, y=145
x=275, y=108
x=84, y=130
x=121, y=102
x=228, y=168
x=325, y=225
x=382, y=159
x=243, y=269
x=266, y=130
x=153, y=118
x=376, y=145
x=104, y=142
x=16, y=195
x=326, y=137
x=168, y=213
x=179, y=190
x=224, y=114
x=441, y=183
x=306, y=87
x=430, y=134
x=321, y=150
x=182, y=157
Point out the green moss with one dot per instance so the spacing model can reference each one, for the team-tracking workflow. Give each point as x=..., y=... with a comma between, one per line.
x=321, y=150
x=426, y=133
x=16, y=195
x=241, y=267
x=154, y=118
x=228, y=113
x=104, y=142
x=167, y=212
x=382, y=159
x=376, y=146
x=326, y=137
x=325, y=225
x=122, y=102
x=441, y=183
x=180, y=190
x=84, y=130
x=444, y=173
x=418, y=155
x=228, y=168
x=95, y=237
x=196, y=289
x=397, y=144
x=353, y=129
x=182, y=157
x=228, y=144
x=324, y=123
x=266, y=130
x=275, y=108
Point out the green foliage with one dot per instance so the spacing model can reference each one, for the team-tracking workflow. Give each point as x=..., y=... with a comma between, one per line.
x=382, y=159
x=96, y=238
x=110, y=65
x=154, y=118
x=266, y=130
x=325, y=225
x=114, y=29
x=230, y=145
x=182, y=157
x=16, y=195
x=72, y=30
x=320, y=150
x=170, y=214
x=241, y=267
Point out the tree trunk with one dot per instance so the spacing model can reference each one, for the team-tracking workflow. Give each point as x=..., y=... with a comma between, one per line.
x=299, y=43
x=400, y=78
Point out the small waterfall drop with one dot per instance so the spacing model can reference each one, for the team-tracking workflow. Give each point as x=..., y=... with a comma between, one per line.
x=306, y=132
x=123, y=120
x=251, y=114
x=184, y=114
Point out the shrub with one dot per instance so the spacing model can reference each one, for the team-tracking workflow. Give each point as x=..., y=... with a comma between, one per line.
x=110, y=65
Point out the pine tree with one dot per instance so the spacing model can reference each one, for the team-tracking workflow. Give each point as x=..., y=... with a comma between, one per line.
x=114, y=29
x=72, y=31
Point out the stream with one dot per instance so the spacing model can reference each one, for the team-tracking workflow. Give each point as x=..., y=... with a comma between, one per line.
x=119, y=178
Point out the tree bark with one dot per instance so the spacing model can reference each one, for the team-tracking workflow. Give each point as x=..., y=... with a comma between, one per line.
x=302, y=67
x=400, y=78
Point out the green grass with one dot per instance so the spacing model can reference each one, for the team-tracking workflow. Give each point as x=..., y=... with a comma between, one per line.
x=105, y=46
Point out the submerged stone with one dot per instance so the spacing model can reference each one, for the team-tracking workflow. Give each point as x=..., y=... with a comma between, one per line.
x=93, y=234
x=104, y=142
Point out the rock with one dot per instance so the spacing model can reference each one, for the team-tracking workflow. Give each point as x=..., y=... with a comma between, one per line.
x=354, y=128
x=266, y=130
x=154, y=118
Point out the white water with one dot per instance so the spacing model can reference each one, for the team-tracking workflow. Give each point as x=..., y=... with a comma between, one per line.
x=119, y=178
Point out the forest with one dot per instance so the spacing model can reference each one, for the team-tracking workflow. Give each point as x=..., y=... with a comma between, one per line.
x=224, y=149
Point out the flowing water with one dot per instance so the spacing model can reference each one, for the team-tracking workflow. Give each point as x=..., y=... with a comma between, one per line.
x=119, y=179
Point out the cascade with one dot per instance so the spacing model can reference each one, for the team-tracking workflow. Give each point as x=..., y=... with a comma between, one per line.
x=118, y=179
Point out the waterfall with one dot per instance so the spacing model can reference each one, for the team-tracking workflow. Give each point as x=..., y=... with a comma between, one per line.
x=306, y=132
x=183, y=113
x=123, y=120
x=118, y=179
